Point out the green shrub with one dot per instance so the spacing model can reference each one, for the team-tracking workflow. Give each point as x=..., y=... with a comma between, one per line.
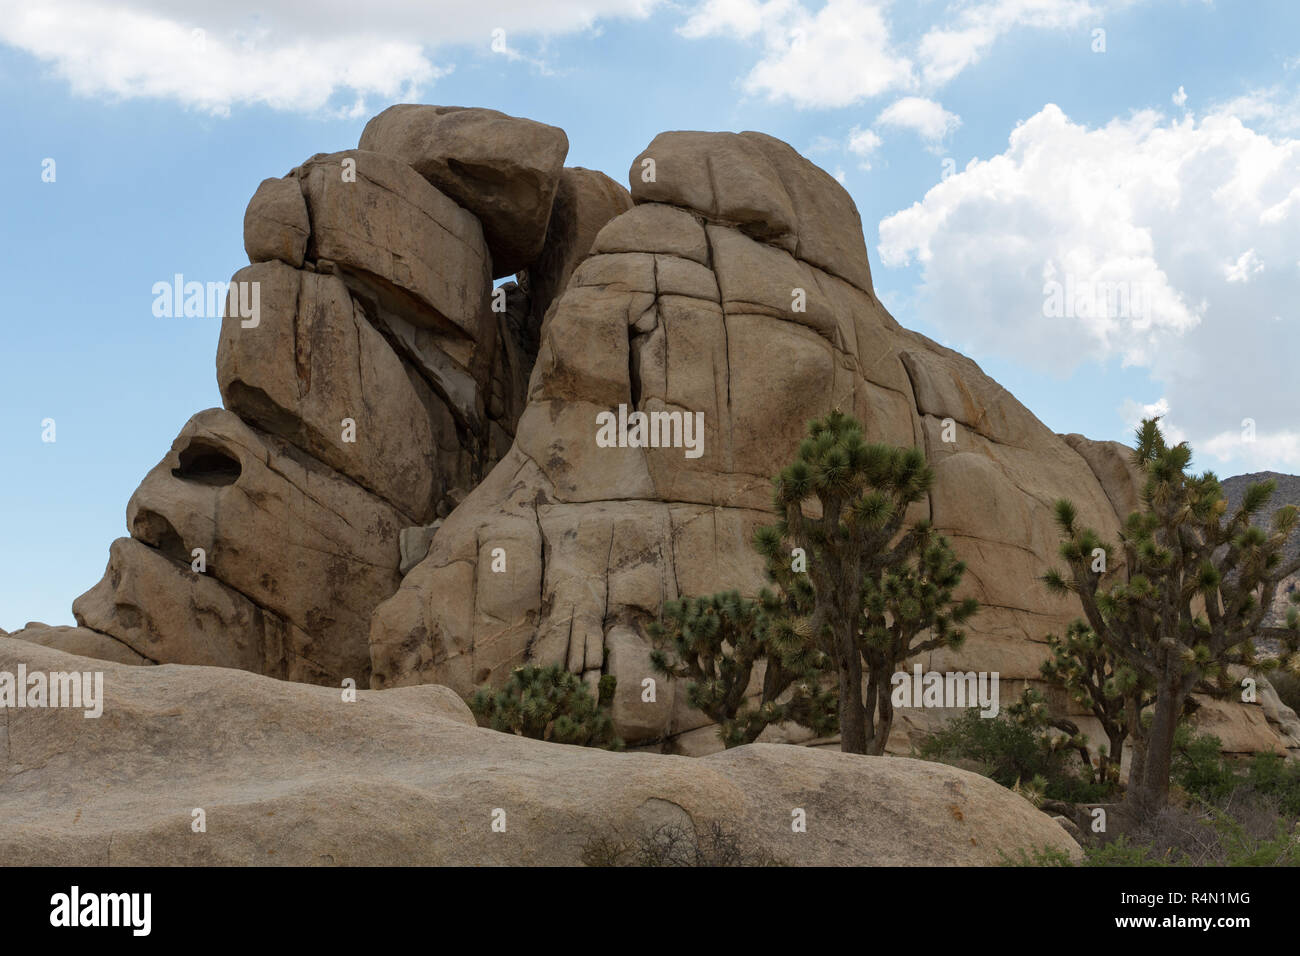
x=1243, y=848
x=1122, y=852
x=1243, y=813
x=1201, y=769
x=1118, y=852
x=550, y=703
x=1039, y=856
x=1271, y=775
x=1010, y=753
x=1198, y=766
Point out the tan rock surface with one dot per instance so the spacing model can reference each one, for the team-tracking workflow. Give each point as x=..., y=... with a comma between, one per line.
x=168, y=612
x=416, y=251
x=764, y=187
x=311, y=365
x=503, y=169
x=292, y=536
x=289, y=774
x=1112, y=463
x=81, y=641
x=276, y=224
x=717, y=297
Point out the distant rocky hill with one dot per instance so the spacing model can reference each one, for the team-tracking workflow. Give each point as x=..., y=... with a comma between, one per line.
x=1287, y=493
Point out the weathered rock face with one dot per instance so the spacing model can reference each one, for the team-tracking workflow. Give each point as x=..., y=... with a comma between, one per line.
x=164, y=611
x=290, y=774
x=370, y=384
x=317, y=373
x=81, y=641
x=1112, y=463
x=503, y=169
x=276, y=225
x=736, y=293
x=585, y=201
x=278, y=530
x=763, y=187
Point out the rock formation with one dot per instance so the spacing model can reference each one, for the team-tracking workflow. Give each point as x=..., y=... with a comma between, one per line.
x=1287, y=493
x=408, y=485
x=374, y=387
x=289, y=775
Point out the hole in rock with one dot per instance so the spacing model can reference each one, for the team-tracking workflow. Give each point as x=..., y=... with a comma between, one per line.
x=207, y=464
x=156, y=531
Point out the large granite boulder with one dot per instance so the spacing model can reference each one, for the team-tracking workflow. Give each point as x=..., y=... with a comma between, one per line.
x=81, y=641
x=166, y=612
x=276, y=223
x=503, y=169
x=737, y=294
x=412, y=249
x=293, y=775
x=316, y=372
x=279, y=533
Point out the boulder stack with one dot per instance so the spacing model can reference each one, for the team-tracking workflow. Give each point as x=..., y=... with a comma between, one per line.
x=410, y=482
x=371, y=376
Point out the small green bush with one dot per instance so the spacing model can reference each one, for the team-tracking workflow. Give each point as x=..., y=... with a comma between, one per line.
x=1237, y=813
x=1038, y=856
x=1271, y=775
x=1199, y=768
x=1011, y=753
x=1118, y=852
x=1122, y=852
x=550, y=703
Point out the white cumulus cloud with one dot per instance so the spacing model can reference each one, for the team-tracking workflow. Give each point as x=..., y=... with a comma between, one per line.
x=1246, y=265
x=1251, y=450
x=863, y=143
x=847, y=51
x=1129, y=242
x=835, y=56
x=294, y=55
x=946, y=51
x=926, y=118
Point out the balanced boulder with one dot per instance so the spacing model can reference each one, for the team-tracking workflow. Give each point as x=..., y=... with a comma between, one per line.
x=276, y=225
x=503, y=169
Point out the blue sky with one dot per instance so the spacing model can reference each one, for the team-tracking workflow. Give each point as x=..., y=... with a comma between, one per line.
x=1164, y=169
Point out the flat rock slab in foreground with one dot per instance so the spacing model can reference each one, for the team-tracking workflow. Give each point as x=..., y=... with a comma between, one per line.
x=290, y=774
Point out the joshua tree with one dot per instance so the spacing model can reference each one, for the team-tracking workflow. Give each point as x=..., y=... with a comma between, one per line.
x=550, y=703
x=1092, y=677
x=715, y=642
x=1194, y=590
x=908, y=609
x=871, y=586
